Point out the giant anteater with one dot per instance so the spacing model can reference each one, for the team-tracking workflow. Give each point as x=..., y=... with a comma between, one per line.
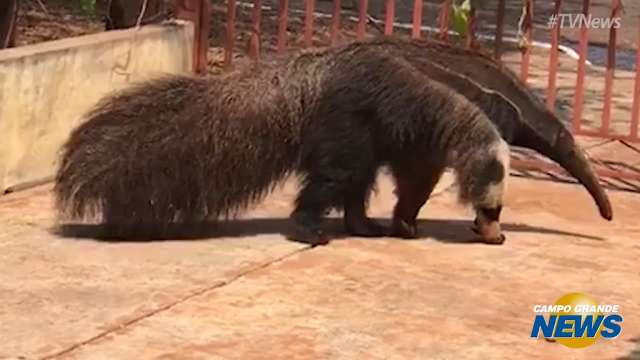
x=184, y=149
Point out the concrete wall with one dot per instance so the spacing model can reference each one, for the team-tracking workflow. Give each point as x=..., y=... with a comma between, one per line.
x=45, y=88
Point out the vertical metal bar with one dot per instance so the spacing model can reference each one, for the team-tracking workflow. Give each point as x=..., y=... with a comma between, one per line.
x=183, y=12
x=231, y=36
x=526, y=52
x=8, y=19
x=362, y=19
x=185, y=9
x=283, y=18
x=444, y=17
x=197, y=11
x=553, y=58
x=389, y=16
x=335, y=21
x=499, y=29
x=205, y=23
x=417, y=19
x=254, y=41
x=471, y=26
x=610, y=73
x=309, y=6
x=582, y=51
x=635, y=110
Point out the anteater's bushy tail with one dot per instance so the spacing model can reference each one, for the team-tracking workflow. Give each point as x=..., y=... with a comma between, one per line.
x=175, y=149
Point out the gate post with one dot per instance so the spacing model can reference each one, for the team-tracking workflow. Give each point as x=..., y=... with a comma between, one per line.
x=198, y=12
x=8, y=15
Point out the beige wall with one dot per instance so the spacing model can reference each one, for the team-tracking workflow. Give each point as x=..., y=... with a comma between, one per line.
x=45, y=88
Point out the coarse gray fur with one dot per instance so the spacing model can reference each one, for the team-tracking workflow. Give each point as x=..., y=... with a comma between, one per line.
x=185, y=149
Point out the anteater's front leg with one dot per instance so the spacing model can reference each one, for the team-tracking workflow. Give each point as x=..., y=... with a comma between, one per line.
x=414, y=184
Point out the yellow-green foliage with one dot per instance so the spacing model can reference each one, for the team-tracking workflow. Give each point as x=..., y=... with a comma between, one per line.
x=460, y=16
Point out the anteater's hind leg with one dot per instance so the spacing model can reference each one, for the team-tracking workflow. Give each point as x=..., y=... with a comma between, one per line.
x=415, y=182
x=340, y=164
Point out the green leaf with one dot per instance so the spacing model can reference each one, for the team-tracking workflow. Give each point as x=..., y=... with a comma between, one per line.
x=460, y=17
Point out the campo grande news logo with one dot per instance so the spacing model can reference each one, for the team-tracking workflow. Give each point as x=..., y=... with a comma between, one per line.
x=576, y=320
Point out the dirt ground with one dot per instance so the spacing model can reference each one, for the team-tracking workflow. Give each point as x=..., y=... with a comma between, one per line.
x=58, y=19
x=246, y=292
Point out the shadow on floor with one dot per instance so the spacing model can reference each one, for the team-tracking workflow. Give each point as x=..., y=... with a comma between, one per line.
x=449, y=231
x=635, y=353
